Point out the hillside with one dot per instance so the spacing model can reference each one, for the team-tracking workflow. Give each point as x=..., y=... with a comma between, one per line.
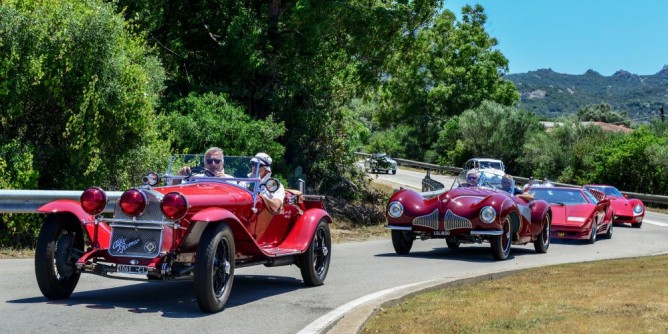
x=553, y=94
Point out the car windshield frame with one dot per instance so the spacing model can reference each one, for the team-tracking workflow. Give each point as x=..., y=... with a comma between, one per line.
x=608, y=190
x=559, y=195
x=237, y=169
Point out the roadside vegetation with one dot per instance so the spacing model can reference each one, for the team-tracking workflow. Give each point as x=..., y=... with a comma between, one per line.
x=98, y=92
x=612, y=296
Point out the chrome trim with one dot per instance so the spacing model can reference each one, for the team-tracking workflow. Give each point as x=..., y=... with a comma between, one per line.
x=430, y=220
x=138, y=226
x=141, y=223
x=399, y=228
x=486, y=232
x=452, y=221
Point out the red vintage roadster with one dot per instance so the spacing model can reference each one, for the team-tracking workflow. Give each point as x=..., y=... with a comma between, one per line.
x=473, y=214
x=200, y=228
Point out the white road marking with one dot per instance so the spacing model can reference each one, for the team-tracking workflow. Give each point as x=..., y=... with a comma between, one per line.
x=323, y=322
x=654, y=222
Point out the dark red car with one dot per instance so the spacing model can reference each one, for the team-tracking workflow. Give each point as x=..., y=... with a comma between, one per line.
x=577, y=213
x=201, y=228
x=624, y=210
x=476, y=214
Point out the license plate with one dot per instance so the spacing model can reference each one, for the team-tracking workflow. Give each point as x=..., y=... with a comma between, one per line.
x=441, y=233
x=127, y=269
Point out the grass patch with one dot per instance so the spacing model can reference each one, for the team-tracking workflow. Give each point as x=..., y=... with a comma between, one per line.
x=11, y=253
x=612, y=296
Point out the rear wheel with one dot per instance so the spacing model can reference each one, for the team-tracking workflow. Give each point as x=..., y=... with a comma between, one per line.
x=59, y=246
x=501, y=243
x=214, y=268
x=542, y=242
x=314, y=263
x=402, y=241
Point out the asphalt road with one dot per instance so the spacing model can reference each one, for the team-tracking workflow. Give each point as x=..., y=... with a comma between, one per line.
x=274, y=300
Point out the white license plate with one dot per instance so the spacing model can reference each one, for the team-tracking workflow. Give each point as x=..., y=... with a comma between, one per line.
x=441, y=233
x=127, y=269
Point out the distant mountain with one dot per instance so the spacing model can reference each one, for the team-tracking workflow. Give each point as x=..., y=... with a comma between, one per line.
x=553, y=94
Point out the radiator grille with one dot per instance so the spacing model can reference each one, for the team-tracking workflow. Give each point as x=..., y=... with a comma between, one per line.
x=430, y=220
x=453, y=221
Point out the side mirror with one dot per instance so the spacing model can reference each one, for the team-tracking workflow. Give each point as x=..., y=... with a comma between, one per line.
x=272, y=184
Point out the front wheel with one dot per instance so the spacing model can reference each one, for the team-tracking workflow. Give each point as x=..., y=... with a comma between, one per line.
x=452, y=244
x=592, y=236
x=608, y=234
x=501, y=243
x=59, y=245
x=214, y=268
x=636, y=225
x=402, y=241
x=542, y=242
x=314, y=263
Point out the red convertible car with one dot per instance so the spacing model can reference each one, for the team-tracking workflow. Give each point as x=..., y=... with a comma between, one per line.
x=473, y=214
x=624, y=209
x=577, y=213
x=200, y=228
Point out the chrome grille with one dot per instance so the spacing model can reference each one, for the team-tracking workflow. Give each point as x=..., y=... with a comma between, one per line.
x=453, y=221
x=430, y=220
x=135, y=241
x=152, y=211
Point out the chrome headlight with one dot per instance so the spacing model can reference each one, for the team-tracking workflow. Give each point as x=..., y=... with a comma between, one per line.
x=395, y=209
x=637, y=209
x=487, y=214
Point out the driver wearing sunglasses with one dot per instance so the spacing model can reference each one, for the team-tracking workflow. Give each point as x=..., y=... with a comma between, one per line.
x=214, y=164
x=472, y=178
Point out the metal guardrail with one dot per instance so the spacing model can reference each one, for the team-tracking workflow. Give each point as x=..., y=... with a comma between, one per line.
x=28, y=201
x=647, y=198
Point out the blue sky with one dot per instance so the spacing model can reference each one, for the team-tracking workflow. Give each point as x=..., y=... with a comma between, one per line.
x=572, y=36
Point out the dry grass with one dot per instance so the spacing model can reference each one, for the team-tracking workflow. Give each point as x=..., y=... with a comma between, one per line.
x=615, y=296
x=10, y=253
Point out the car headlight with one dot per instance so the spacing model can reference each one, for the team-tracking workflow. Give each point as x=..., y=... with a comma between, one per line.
x=395, y=209
x=487, y=214
x=637, y=209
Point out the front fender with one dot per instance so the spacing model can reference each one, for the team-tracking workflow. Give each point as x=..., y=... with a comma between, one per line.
x=539, y=209
x=67, y=205
x=201, y=220
x=302, y=232
x=100, y=239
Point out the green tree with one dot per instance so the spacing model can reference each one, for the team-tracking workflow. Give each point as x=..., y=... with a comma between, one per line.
x=446, y=67
x=603, y=112
x=495, y=131
x=79, y=88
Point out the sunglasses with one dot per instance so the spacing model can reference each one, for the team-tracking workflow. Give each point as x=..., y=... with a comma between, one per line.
x=211, y=161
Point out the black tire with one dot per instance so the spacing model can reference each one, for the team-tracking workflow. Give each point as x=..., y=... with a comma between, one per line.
x=501, y=243
x=402, y=241
x=314, y=263
x=214, y=268
x=608, y=234
x=542, y=242
x=636, y=225
x=592, y=235
x=394, y=171
x=452, y=244
x=59, y=245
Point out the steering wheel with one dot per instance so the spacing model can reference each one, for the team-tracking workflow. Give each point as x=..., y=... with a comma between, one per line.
x=200, y=170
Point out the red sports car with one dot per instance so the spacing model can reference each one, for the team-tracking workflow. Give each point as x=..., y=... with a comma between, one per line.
x=201, y=228
x=577, y=213
x=475, y=214
x=624, y=209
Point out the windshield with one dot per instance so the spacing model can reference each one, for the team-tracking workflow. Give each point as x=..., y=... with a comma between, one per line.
x=557, y=195
x=608, y=191
x=234, y=168
x=486, y=179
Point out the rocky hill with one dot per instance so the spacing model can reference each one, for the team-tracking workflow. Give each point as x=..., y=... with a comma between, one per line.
x=553, y=94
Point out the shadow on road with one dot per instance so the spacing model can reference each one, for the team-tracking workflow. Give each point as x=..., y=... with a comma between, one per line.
x=172, y=299
x=468, y=253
